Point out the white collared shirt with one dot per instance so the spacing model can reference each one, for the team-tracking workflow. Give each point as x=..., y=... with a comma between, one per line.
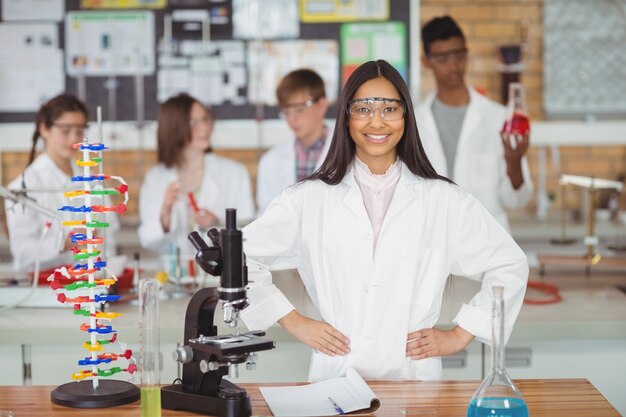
x=377, y=191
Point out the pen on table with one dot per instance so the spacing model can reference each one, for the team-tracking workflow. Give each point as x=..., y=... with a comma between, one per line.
x=335, y=406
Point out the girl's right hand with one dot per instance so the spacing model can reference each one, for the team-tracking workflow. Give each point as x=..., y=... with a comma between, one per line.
x=171, y=195
x=317, y=334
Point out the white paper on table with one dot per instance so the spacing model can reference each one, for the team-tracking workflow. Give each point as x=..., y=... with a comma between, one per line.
x=350, y=392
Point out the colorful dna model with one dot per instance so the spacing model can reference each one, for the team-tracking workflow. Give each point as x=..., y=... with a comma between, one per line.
x=87, y=292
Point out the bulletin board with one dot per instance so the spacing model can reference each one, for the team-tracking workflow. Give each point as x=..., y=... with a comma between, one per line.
x=221, y=60
x=584, y=59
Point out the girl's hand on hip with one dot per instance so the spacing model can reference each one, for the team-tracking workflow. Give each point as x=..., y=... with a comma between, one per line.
x=427, y=343
x=317, y=334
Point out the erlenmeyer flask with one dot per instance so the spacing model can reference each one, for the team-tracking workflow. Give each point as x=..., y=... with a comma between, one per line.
x=497, y=396
x=517, y=121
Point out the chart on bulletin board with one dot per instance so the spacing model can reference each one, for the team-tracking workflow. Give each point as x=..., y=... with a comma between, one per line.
x=229, y=54
x=102, y=43
x=324, y=11
x=361, y=42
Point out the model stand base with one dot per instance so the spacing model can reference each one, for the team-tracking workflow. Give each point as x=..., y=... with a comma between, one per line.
x=110, y=393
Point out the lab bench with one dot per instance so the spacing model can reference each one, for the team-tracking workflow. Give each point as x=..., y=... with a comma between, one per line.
x=544, y=398
x=583, y=336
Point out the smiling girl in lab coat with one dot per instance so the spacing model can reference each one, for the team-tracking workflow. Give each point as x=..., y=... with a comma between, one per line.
x=374, y=233
x=191, y=186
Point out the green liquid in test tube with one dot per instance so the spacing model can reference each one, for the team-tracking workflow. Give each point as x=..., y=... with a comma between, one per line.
x=149, y=365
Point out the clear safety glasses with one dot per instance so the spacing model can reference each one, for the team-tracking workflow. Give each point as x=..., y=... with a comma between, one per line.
x=296, y=108
x=67, y=129
x=207, y=119
x=441, y=58
x=390, y=109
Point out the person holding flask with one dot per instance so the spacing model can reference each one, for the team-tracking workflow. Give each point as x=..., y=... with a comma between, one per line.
x=464, y=133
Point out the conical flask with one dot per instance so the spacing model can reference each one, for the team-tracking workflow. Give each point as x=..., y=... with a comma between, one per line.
x=497, y=396
x=517, y=120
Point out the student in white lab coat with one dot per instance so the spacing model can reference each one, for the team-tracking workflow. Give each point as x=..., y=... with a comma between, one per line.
x=460, y=128
x=60, y=123
x=190, y=187
x=302, y=100
x=374, y=234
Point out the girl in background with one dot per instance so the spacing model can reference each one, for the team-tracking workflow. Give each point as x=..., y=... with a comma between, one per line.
x=190, y=187
x=60, y=123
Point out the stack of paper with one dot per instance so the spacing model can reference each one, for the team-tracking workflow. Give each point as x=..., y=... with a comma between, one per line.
x=331, y=397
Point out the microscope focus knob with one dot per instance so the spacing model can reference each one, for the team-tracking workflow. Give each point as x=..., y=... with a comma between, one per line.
x=183, y=354
x=251, y=362
x=206, y=366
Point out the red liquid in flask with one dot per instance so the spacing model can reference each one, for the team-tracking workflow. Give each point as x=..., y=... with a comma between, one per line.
x=518, y=124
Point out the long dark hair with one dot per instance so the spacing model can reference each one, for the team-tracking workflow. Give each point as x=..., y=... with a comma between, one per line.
x=342, y=148
x=51, y=111
x=173, y=130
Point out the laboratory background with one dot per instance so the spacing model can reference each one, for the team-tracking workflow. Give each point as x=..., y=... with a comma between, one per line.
x=124, y=58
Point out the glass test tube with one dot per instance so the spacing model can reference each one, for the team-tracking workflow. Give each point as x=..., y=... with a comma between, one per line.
x=150, y=352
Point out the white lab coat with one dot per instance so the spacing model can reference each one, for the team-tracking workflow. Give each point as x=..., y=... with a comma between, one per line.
x=432, y=229
x=26, y=225
x=479, y=166
x=277, y=170
x=226, y=184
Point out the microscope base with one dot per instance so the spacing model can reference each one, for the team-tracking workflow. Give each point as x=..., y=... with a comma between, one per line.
x=234, y=401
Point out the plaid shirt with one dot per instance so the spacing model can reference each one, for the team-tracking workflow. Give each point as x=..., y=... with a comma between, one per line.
x=306, y=158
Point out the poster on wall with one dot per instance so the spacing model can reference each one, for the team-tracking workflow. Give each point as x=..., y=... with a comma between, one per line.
x=51, y=10
x=266, y=19
x=31, y=66
x=269, y=61
x=122, y=4
x=326, y=11
x=109, y=43
x=213, y=72
x=362, y=42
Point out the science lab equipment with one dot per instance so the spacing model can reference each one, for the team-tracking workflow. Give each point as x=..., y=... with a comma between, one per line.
x=205, y=355
x=149, y=331
x=563, y=239
x=497, y=395
x=517, y=121
x=592, y=257
x=88, y=291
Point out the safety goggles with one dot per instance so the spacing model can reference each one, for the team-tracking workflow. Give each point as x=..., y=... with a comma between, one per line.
x=390, y=109
x=68, y=128
x=457, y=55
x=296, y=108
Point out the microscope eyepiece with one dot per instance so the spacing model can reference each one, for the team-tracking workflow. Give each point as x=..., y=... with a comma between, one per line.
x=231, y=219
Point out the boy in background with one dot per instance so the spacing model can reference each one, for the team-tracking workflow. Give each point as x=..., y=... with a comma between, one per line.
x=302, y=101
x=460, y=128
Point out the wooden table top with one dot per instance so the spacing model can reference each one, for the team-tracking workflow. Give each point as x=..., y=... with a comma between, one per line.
x=544, y=397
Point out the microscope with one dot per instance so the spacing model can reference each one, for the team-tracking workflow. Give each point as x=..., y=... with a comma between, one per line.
x=207, y=356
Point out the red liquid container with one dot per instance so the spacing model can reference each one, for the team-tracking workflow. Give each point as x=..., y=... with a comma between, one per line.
x=518, y=124
x=517, y=121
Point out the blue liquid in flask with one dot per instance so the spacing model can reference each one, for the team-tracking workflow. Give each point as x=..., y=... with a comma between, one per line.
x=498, y=407
x=497, y=395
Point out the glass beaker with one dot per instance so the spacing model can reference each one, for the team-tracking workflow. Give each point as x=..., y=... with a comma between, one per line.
x=497, y=396
x=517, y=120
x=150, y=351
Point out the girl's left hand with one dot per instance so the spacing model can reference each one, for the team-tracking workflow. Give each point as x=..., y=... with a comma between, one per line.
x=427, y=343
x=204, y=218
